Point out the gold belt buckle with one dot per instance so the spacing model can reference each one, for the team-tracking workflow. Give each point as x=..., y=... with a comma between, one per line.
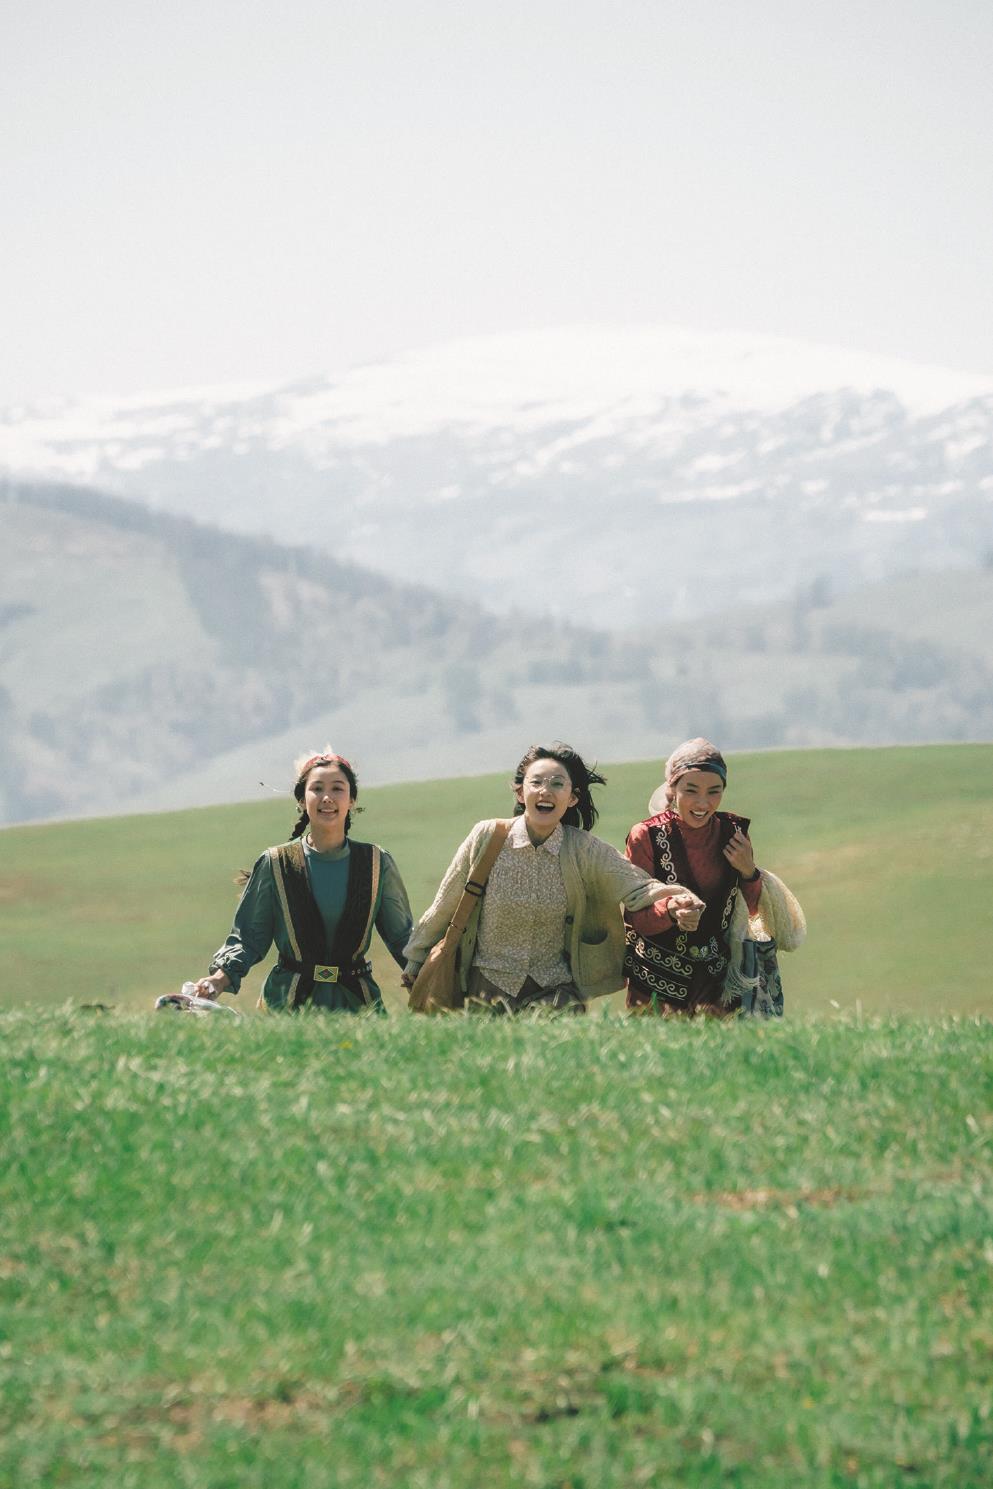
x=323, y=973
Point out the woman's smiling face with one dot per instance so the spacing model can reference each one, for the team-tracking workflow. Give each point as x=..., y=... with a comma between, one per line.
x=546, y=795
x=327, y=797
x=697, y=795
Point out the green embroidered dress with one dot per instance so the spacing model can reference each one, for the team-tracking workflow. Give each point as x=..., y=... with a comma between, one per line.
x=319, y=909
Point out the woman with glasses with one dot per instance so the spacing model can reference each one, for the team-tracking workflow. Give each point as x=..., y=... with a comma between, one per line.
x=547, y=931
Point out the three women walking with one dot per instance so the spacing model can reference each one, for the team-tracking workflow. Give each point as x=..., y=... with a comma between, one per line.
x=545, y=931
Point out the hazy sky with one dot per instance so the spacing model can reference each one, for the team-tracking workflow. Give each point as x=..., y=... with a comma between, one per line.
x=232, y=190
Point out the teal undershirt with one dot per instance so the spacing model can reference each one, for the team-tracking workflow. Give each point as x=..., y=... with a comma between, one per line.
x=329, y=884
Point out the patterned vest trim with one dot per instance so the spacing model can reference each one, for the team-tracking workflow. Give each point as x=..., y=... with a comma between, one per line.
x=305, y=924
x=663, y=966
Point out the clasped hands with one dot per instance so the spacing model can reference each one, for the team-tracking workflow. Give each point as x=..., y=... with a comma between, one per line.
x=685, y=909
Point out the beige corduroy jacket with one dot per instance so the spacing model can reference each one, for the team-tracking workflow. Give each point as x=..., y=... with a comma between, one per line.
x=597, y=880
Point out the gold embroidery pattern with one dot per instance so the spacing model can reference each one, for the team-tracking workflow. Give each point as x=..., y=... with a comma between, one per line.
x=711, y=956
x=648, y=979
x=667, y=868
x=277, y=874
x=679, y=963
x=648, y=952
x=373, y=892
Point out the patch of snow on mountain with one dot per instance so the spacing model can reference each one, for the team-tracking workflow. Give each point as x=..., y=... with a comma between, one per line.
x=643, y=386
x=907, y=514
x=532, y=379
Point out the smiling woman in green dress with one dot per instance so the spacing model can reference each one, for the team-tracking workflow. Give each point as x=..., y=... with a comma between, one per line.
x=318, y=897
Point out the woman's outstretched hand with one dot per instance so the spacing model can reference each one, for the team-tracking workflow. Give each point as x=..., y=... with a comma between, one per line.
x=739, y=854
x=213, y=986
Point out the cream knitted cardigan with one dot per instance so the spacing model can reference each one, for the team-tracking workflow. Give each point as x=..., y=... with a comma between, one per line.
x=597, y=880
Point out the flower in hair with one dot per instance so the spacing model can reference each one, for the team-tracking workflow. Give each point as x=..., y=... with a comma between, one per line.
x=326, y=757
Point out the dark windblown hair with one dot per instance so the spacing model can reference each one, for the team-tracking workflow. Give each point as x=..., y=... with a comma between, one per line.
x=582, y=776
x=303, y=821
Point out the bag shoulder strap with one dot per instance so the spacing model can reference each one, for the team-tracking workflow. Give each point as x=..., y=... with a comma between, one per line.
x=478, y=875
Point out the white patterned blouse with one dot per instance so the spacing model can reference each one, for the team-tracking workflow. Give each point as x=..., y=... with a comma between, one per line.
x=522, y=929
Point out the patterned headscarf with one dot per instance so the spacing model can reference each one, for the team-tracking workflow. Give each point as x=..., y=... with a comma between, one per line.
x=694, y=754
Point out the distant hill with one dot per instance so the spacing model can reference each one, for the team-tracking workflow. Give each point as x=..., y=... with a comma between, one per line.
x=141, y=652
x=613, y=448
x=151, y=662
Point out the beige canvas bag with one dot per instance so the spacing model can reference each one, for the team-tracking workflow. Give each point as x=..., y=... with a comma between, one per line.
x=437, y=988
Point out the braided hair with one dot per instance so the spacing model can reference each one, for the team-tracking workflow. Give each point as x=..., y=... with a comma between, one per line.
x=304, y=768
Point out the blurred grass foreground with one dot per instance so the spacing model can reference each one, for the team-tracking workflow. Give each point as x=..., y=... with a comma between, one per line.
x=311, y=1252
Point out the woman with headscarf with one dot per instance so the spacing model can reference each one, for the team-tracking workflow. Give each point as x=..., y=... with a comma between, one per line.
x=683, y=966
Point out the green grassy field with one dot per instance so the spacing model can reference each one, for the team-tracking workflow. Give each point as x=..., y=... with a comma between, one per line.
x=595, y=1254
x=446, y=1254
x=890, y=852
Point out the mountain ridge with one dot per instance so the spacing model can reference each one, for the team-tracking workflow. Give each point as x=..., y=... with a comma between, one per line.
x=629, y=444
x=150, y=662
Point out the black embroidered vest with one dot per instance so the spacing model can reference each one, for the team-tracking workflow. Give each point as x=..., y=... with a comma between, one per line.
x=662, y=968
x=305, y=923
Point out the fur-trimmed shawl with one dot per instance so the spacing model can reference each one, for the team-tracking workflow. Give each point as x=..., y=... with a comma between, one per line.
x=779, y=918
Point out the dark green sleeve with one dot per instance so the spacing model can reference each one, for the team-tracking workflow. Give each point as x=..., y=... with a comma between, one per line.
x=254, y=926
x=394, y=921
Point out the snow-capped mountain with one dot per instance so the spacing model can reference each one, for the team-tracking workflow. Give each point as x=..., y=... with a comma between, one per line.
x=621, y=476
